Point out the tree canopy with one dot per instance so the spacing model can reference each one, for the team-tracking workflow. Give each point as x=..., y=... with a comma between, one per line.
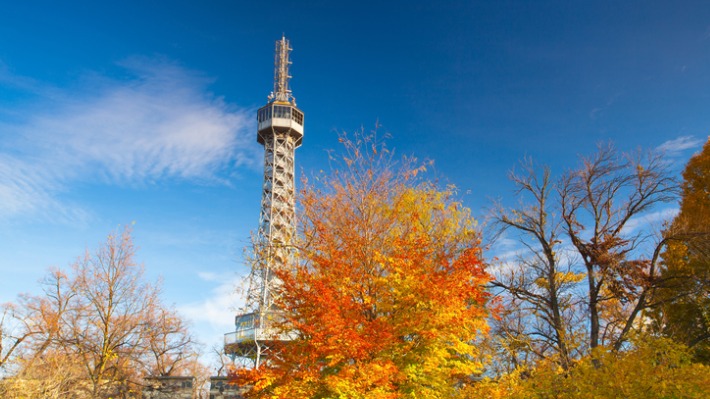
x=584, y=274
x=684, y=296
x=387, y=295
x=95, y=331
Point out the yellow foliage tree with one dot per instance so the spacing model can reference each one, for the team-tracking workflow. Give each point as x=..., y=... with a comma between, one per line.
x=654, y=368
x=683, y=311
x=388, y=295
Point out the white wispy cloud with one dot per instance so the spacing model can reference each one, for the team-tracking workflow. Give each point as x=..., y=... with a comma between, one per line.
x=652, y=221
x=214, y=316
x=159, y=122
x=674, y=147
x=208, y=276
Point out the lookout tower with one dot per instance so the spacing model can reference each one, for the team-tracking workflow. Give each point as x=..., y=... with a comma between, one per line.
x=280, y=131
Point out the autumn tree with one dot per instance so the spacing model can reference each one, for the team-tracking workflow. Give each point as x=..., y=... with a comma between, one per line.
x=54, y=375
x=169, y=347
x=598, y=203
x=387, y=298
x=32, y=324
x=684, y=295
x=538, y=315
x=12, y=333
x=650, y=368
x=585, y=274
x=220, y=361
x=104, y=320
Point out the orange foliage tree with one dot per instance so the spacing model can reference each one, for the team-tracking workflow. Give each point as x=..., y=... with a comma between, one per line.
x=683, y=296
x=386, y=298
x=94, y=331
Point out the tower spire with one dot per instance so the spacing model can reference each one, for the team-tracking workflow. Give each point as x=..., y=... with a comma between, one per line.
x=282, y=92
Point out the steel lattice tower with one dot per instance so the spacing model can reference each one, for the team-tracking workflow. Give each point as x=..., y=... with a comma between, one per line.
x=280, y=131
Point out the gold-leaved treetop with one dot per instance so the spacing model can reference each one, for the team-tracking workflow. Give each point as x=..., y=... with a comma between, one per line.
x=683, y=311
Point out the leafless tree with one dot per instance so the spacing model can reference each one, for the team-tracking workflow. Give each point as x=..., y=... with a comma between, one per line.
x=170, y=347
x=12, y=332
x=577, y=229
x=539, y=281
x=598, y=201
x=221, y=361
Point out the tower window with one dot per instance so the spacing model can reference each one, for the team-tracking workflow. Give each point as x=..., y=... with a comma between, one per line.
x=264, y=114
x=279, y=111
x=282, y=112
x=298, y=116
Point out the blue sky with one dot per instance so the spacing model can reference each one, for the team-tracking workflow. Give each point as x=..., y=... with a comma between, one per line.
x=144, y=112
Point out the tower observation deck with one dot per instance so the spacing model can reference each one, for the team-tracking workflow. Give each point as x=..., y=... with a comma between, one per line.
x=280, y=131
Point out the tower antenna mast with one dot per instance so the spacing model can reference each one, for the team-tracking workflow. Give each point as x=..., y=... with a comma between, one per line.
x=282, y=92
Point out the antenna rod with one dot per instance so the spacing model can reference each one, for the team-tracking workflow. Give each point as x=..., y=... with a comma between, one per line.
x=282, y=93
